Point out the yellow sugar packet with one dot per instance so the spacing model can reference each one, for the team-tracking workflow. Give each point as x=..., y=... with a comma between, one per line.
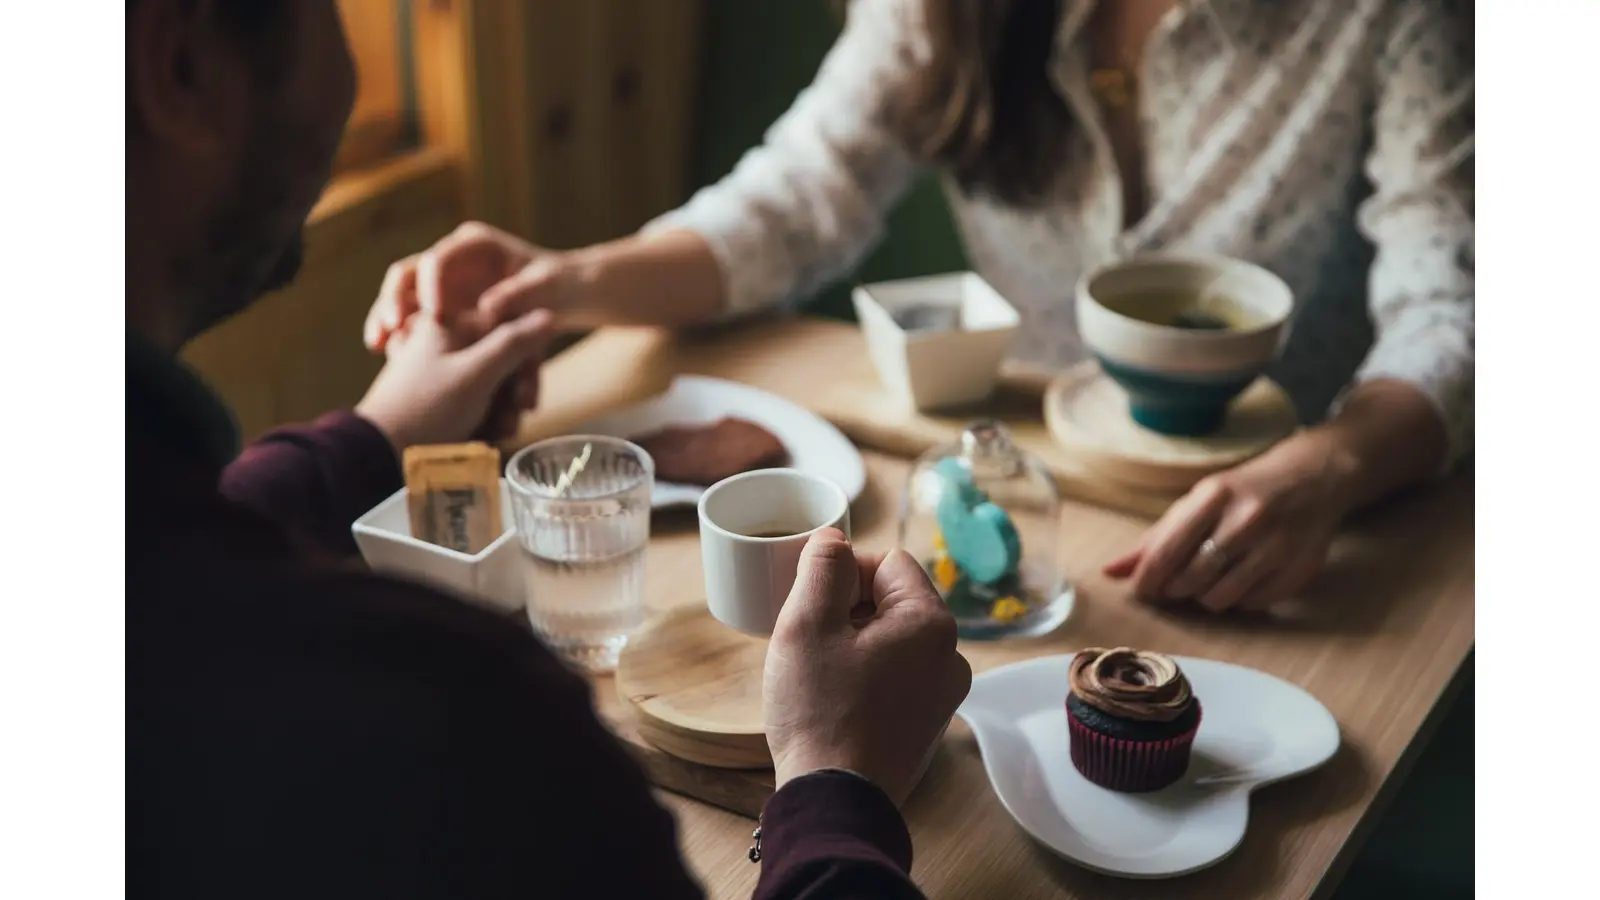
x=453, y=495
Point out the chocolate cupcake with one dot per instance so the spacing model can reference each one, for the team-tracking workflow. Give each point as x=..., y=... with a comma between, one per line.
x=1131, y=718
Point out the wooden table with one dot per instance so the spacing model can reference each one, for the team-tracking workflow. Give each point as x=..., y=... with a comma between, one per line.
x=1380, y=640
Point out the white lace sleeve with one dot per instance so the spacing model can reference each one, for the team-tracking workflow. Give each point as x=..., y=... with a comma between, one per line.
x=1420, y=217
x=808, y=203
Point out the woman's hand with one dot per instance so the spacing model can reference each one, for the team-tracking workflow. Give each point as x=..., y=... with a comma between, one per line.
x=1255, y=534
x=478, y=277
x=475, y=278
x=1248, y=537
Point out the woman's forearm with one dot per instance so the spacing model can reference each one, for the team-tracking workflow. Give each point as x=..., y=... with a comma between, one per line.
x=669, y=278
x=1386, y=437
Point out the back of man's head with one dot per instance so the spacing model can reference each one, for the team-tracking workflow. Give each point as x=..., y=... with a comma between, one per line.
x=235, y=111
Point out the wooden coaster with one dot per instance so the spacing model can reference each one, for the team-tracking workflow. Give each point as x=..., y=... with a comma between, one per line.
x=688, y=702
x=1087, y=413
x=693, y=686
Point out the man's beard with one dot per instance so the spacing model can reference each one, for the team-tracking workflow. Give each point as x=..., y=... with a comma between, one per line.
x=246, y=257
x=254, y=244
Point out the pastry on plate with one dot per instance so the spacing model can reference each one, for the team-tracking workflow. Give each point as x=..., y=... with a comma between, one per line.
x=704, y=454
x=1131, y=718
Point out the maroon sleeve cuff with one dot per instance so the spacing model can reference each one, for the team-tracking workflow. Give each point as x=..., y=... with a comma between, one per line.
x=361, y=457
x=833, y=833
x=316, y=479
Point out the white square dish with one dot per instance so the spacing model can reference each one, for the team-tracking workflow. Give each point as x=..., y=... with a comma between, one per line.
x=489, y=577
x=937, y=368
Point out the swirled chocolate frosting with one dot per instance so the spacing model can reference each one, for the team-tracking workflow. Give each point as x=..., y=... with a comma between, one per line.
x=1130, y=684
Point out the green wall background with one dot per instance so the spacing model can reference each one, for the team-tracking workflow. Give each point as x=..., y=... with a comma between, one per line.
x=761, y=53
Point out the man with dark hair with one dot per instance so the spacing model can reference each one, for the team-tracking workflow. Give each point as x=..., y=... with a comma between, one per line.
x=298, y=728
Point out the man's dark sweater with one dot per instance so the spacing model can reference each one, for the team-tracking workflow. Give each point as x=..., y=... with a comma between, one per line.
x=298, y=727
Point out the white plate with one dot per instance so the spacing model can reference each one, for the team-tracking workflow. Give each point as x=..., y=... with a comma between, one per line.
x=814, y=445
x=1254, y=729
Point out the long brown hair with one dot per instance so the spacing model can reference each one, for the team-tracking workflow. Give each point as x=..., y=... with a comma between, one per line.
x=984, y=107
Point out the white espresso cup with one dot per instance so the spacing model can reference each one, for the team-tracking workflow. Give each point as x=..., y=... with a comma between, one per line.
x=752, y=529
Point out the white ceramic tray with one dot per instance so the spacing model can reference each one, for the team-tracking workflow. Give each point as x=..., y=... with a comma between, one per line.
x=1255, y=729
x=814, y=445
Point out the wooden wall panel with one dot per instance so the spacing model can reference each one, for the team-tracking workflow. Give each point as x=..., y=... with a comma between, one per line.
x=609, y=89
x=671, y=45
x=378, y=122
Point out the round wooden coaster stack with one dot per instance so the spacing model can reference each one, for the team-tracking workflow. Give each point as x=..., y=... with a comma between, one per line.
x=1087, y=414
x=694, y=686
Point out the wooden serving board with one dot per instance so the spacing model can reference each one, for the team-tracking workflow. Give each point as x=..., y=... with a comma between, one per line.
x=857, y=404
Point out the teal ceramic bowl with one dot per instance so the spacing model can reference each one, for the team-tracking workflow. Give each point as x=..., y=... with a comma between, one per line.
x=1183, y=336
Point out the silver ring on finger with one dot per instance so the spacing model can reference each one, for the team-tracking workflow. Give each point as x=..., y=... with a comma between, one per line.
x=1212, y=558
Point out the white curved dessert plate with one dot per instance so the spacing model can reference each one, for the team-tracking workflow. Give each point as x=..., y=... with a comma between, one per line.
x=813, y=443
x=1255, y=729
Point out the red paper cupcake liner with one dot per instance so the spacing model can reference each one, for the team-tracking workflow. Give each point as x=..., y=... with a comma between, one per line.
x=1130, y=766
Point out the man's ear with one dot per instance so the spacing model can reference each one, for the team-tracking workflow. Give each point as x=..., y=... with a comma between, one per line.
x=187, y=79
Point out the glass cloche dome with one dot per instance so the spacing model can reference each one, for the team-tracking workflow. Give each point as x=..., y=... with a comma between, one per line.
x=982, y=517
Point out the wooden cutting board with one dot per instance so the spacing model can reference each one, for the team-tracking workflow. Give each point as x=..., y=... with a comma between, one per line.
x=858, y=405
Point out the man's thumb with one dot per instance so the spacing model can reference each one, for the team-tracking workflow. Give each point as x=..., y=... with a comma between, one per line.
x=505, y=349
x=827, y=582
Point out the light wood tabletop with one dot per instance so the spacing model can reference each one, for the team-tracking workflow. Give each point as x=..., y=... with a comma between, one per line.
x=1380, y=639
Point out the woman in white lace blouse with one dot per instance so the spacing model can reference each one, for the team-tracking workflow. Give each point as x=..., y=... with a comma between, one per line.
x=1331, y=142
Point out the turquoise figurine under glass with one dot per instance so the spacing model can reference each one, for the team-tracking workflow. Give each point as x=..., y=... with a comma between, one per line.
x=978, y=535
x=983, y=518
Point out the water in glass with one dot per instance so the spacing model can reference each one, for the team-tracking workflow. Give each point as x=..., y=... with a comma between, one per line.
x=583, y=542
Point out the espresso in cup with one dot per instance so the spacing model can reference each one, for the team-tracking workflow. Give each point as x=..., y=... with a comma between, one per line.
x=777, y=531
x=752, y=529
